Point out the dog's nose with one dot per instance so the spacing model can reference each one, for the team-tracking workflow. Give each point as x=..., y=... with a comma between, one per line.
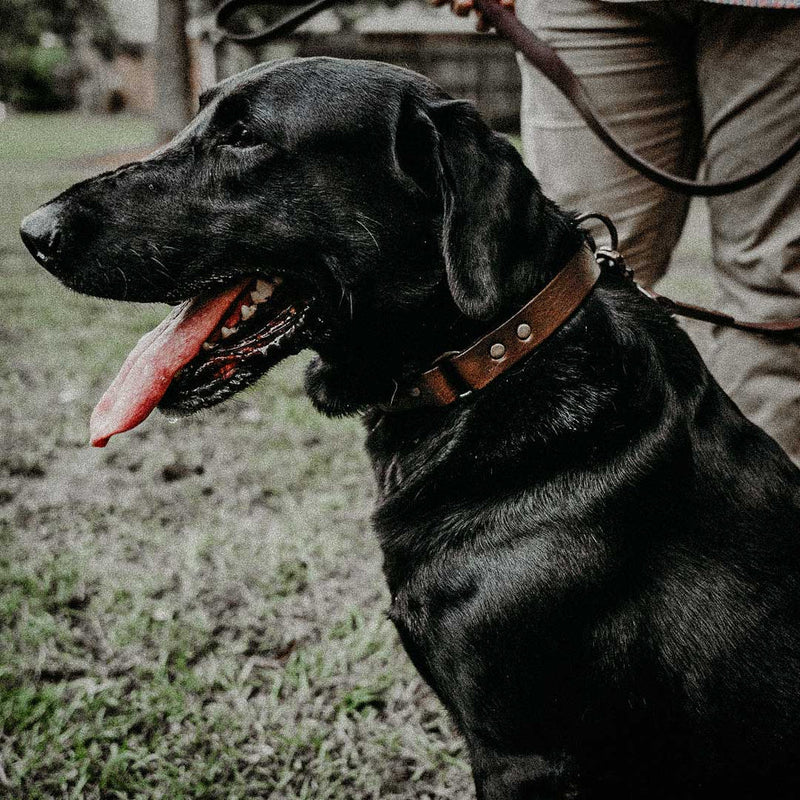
x=41, y=235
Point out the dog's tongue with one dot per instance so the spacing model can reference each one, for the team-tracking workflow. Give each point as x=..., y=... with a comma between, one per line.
x=152, y=364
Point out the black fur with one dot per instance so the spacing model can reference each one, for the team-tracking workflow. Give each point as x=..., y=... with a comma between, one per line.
x=595, y=561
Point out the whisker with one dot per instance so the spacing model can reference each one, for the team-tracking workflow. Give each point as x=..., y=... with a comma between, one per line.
x=369, y=233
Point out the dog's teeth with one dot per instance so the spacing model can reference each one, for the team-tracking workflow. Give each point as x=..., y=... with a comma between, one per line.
x=208, y=345
x=264, y=289
x=226, y=332
x=262, y=292
x=248, y=311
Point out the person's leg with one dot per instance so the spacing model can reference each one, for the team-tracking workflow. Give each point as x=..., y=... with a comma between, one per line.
x=749, y=84
x=640, y=76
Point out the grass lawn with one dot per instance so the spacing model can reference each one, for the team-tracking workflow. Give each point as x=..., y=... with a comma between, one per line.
x=44, y=137
x=196, y=611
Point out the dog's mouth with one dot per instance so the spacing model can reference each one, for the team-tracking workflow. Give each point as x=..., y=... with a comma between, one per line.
x=207, y=349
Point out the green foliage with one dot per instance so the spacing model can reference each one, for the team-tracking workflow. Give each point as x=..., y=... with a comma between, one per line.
x=29, y=73
x=24, y=21
x=31, y=78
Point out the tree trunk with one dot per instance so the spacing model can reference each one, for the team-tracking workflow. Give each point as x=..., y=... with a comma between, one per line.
x=174, y=102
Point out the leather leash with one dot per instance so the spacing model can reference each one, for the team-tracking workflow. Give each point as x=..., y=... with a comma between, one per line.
x=542, y=56
x=552, y=66
x=228, y=8
x=455, y=375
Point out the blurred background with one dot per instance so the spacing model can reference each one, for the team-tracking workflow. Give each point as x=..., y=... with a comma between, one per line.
x=153, y=57
x=198, y=610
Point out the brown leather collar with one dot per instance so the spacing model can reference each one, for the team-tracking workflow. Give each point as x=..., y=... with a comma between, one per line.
x=458, y=374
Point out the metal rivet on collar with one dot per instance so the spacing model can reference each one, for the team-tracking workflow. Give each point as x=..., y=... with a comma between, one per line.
x=523, y=331
x=497, y=350
x=415, y=392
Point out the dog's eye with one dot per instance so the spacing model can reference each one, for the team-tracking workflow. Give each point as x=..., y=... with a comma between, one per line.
x=240, y=135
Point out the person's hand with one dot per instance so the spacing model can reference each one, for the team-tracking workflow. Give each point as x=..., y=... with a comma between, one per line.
x=462, y=8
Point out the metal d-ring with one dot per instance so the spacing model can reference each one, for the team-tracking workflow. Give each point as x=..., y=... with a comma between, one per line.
x=610, y=227
x=609, y=258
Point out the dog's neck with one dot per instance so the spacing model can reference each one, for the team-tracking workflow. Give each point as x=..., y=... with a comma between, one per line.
x=440, y=425
x=545, y=251
x=393, y=342
x=459, y=373
x=540, y=419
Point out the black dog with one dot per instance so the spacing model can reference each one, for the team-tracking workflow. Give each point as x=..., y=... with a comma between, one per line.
x=595, y=561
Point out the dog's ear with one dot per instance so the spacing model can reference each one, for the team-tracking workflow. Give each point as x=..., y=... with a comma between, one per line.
x=416, y=148
x=492, y=203
x=493, y=213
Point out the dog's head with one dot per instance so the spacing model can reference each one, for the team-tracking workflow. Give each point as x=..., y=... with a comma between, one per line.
x=347, y=206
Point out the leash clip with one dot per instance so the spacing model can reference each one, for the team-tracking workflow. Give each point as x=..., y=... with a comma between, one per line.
x=608, y=258
x=613, y=261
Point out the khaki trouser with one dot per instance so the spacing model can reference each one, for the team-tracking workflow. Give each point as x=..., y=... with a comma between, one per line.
x=680, y=82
